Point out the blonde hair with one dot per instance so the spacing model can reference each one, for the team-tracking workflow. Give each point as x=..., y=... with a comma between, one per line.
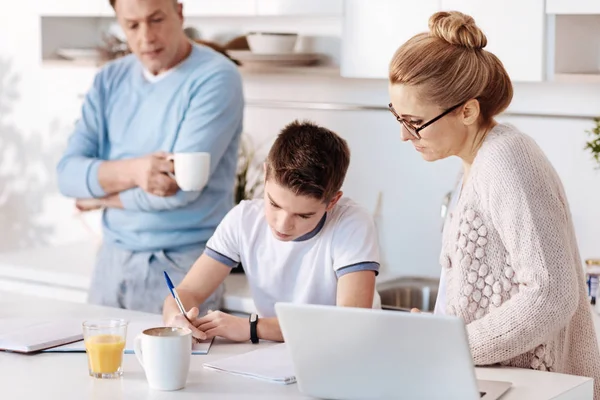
x=449, y=66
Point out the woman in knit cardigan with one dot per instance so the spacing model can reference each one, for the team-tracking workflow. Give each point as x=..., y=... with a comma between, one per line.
x=510, y=264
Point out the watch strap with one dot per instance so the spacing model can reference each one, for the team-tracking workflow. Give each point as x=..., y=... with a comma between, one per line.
x=253, y=330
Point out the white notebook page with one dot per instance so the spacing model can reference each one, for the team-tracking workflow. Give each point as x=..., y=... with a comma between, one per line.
x=273, y=364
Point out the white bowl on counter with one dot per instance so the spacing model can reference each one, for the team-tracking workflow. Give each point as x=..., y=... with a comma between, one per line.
x=272, y=42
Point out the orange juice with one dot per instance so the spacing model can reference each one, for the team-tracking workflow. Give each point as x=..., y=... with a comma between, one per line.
x=105, y=353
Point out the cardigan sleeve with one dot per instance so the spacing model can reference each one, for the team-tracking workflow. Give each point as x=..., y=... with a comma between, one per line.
x=529, y=211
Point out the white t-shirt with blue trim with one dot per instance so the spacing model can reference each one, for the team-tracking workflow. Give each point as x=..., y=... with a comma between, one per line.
x=305, y=270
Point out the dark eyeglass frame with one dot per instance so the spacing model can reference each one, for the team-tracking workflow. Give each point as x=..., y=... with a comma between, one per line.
x=415, y=131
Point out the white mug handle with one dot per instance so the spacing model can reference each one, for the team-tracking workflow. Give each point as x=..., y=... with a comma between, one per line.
x=137, y=349
x=171, y=157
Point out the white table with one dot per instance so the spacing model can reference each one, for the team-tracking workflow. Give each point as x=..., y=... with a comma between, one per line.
x=64, y=376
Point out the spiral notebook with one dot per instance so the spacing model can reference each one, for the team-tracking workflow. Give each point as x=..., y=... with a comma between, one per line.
x=271, y=364
x=28, y=335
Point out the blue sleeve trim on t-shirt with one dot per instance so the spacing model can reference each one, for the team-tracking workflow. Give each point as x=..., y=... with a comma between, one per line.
x=361, y=266
x=223, y=259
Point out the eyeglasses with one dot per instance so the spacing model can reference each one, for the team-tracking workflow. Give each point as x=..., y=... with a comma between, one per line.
x=415, y=131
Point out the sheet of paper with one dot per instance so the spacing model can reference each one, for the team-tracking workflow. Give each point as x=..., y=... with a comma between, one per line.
x=272, y=364
x=134, y=328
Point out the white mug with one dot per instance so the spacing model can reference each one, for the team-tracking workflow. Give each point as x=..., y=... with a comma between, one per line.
x=191, y=170
x=165, y=353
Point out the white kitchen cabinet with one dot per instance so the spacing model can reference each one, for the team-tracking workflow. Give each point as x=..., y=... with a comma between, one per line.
x=573, y=7
x=515, y=31
x=576, y=49
x=300, y=7
x=575, y=40
x=202, y=8
x=372, y=31
x=219, y=8
x=105, y=9
x=70, y=8
x=102, y=8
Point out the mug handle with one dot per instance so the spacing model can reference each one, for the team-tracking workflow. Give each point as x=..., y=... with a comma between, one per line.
x=171, y=157
x=137, y=349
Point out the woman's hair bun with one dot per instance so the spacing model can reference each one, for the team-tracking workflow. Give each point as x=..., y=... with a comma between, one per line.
x=457, y=29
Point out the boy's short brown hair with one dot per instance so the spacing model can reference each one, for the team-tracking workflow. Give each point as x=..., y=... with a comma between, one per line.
x=309, y=160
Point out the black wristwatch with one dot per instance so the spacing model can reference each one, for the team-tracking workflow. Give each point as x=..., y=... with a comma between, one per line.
x=253, y=333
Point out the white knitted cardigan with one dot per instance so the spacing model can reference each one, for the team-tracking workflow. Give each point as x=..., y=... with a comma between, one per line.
x=512, y=266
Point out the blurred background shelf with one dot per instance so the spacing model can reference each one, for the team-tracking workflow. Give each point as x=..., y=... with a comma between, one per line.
x=591, y=77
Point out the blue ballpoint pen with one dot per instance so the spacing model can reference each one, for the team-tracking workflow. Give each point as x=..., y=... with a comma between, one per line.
x=176, y=296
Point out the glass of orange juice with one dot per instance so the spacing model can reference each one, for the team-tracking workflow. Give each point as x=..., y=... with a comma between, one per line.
x=104, y=345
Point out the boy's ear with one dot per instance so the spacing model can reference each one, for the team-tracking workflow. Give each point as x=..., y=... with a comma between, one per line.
x=334, y=200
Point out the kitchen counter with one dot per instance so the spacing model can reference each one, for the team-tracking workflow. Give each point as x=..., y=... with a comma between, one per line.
x=64, y=376
x=64, y=273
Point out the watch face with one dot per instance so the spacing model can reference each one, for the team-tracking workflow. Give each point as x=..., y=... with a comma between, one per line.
x=253, y=318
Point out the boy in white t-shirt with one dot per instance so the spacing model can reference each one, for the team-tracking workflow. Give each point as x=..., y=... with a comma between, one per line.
x=301, y=243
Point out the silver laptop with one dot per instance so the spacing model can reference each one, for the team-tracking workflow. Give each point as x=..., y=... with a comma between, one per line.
x=352, y=353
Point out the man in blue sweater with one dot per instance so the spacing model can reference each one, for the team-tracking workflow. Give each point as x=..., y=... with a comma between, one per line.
x=169, y=96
